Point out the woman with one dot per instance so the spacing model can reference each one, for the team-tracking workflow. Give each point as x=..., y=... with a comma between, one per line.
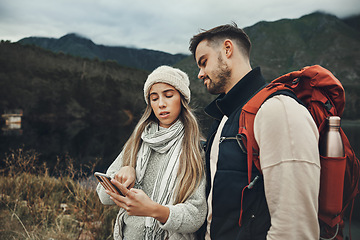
x=160, y=170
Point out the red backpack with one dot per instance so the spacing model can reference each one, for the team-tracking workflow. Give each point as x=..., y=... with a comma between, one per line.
x=324, y=96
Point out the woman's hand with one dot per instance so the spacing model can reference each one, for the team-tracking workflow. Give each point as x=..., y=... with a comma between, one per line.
x=126, y=176
x=137, y=203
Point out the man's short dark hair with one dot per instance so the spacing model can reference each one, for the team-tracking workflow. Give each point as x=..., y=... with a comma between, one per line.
x=228, y=31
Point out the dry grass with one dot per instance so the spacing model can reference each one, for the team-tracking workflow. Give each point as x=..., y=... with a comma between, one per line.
x=35, y=205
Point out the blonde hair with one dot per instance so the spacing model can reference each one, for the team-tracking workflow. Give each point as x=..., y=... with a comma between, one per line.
x=191, y=165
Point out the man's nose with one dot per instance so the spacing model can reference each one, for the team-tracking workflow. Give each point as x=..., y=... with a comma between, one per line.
x=201, y=74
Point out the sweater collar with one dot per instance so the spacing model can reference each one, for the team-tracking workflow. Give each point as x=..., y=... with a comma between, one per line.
x=226, y=104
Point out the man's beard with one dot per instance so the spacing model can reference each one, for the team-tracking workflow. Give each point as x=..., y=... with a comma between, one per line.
x=222, y=76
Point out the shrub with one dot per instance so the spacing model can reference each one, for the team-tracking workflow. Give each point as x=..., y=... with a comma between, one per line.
x=35, y=205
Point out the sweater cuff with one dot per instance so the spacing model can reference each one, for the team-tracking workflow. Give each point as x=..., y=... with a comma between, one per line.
x=173, y=222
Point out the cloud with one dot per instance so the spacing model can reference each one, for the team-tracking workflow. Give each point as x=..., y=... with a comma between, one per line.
x=158, y=24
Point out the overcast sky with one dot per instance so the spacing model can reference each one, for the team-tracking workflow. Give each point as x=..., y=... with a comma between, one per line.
x=164, y=25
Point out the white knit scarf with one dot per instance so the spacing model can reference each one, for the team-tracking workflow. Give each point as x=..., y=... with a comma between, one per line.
x=163, y=140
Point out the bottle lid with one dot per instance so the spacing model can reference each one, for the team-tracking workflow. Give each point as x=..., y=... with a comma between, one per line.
x=334, y=121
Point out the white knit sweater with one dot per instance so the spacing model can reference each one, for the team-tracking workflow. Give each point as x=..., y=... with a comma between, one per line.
x=184, y=219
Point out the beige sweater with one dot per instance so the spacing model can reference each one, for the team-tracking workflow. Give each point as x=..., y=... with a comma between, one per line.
x=288, y=140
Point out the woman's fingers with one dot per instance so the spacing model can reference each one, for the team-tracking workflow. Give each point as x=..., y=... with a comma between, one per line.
x=121, y=187
x=129, y=183
x=119, y=200
x=134, y=201
x=119, y=177
x=126, y=175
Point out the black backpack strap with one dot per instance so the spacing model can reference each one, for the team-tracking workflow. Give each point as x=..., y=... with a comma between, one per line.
x=287, y=93
x=290, y=93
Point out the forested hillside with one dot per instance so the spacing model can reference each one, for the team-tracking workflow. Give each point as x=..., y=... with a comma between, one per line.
x=52, y=86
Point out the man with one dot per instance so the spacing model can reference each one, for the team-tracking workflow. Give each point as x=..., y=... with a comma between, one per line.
x=283, y=203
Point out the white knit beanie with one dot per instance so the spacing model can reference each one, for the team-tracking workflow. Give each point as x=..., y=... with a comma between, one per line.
x=172, y=76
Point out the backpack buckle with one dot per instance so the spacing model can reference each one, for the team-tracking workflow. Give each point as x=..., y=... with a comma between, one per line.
x=328, y=106
x=296, y=80
x=241, y=140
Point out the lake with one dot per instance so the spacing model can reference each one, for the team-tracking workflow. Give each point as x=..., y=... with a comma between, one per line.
x=85, y=143
x=82, y=142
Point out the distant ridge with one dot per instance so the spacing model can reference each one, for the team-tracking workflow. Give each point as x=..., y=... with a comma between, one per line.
x=76, y=45
x=353, y=21
x=290, y=44
x=317, y=38
x=54, y=85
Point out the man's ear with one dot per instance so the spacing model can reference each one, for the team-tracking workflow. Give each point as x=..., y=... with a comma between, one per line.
x=228, y=47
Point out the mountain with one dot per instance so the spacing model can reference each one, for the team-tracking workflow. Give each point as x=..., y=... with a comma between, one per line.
x=317, y=38
x=77, y=45
x=353, y=21
x=49, y=84
x=289, y=44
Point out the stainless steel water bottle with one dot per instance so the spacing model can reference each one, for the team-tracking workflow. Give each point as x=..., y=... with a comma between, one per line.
x=333, y=164
x=331, y=144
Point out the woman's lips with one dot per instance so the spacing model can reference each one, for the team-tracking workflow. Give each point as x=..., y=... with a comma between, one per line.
x=164, y=114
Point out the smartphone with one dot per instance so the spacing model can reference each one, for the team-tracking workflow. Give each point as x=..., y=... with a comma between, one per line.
x=105, y=181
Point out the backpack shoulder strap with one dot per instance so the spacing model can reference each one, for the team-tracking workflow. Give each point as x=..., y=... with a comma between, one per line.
x=246, y=123
x=247, y=116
